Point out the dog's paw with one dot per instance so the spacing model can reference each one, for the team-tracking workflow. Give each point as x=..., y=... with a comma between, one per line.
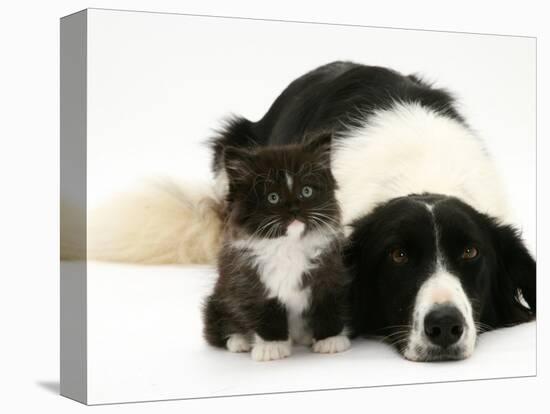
x=270, y=350
x=332, y=344
x=238, y=343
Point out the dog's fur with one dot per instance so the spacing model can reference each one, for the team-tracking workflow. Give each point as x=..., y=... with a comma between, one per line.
x=413, y=179
x=161, y=223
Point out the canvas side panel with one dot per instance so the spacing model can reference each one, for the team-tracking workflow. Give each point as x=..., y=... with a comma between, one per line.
x=73, y=206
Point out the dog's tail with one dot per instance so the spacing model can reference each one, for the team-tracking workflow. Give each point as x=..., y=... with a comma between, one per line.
x=162, y=223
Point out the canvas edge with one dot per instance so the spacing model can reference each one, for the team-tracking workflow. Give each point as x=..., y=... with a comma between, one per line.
x=73, y=144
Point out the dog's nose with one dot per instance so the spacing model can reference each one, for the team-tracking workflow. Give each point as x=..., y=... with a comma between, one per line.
x=444, y=325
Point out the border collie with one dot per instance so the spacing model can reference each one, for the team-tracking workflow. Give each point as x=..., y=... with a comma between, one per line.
x=431, y=250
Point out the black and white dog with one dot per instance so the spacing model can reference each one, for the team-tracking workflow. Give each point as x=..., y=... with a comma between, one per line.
x=433, y=257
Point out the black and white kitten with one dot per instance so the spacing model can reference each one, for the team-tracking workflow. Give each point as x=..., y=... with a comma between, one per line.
x=281, y=277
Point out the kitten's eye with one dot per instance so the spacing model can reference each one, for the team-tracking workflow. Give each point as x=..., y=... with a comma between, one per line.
x=307, y=191
x=273, y=198
x=399, y=256
x=469, y=253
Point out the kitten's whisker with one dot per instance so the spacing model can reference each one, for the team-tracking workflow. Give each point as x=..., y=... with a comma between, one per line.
x=264, y=224
x=325, y=230
x=322, y=214
x=324, y=227
x=269, y=225
x=274, y=227
x=324, y=218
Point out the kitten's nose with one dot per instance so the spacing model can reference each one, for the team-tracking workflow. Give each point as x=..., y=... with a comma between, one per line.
x=294, y=210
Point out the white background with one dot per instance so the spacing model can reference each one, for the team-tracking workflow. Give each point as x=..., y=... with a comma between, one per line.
x=158, y=84
x=30, y=209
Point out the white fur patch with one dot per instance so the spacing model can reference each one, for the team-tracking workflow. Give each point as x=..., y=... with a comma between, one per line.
x=412, y=149
x=238, y=343
x=270, y=350
x=289, y=181
x=281, y=263
x=441, y=287
x=295, y=229
x=332, y=344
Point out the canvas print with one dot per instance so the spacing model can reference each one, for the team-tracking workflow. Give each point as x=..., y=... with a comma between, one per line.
x=252, y=206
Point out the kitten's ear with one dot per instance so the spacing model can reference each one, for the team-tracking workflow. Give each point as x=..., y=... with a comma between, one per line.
x=238, y=163
x=320, y=145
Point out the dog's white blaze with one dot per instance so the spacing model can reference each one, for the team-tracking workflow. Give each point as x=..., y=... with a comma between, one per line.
x=441, y=287
x=412, y=149
x=281, y=262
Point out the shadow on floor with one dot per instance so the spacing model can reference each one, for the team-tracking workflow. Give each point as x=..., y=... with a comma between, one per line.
x=51, y=386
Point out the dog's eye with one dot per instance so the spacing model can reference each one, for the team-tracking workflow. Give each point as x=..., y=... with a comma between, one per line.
x=273, y=198
x=399, y=256
x=469, y=253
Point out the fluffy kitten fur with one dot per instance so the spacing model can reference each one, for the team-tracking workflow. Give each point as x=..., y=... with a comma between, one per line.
x=281, y=277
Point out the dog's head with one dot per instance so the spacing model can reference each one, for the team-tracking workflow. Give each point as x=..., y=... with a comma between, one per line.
x=430, y=273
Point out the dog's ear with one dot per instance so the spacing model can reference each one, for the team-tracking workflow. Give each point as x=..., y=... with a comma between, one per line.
x=514, y=289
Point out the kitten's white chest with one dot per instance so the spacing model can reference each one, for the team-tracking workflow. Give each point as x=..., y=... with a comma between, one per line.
x=281, y=264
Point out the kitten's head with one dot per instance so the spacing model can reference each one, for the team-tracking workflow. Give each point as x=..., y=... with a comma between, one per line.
x=282, y=190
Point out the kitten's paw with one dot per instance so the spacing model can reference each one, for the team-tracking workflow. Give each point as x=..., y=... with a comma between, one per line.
x=332, y=344
x=238, y=343
x=271, y=350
